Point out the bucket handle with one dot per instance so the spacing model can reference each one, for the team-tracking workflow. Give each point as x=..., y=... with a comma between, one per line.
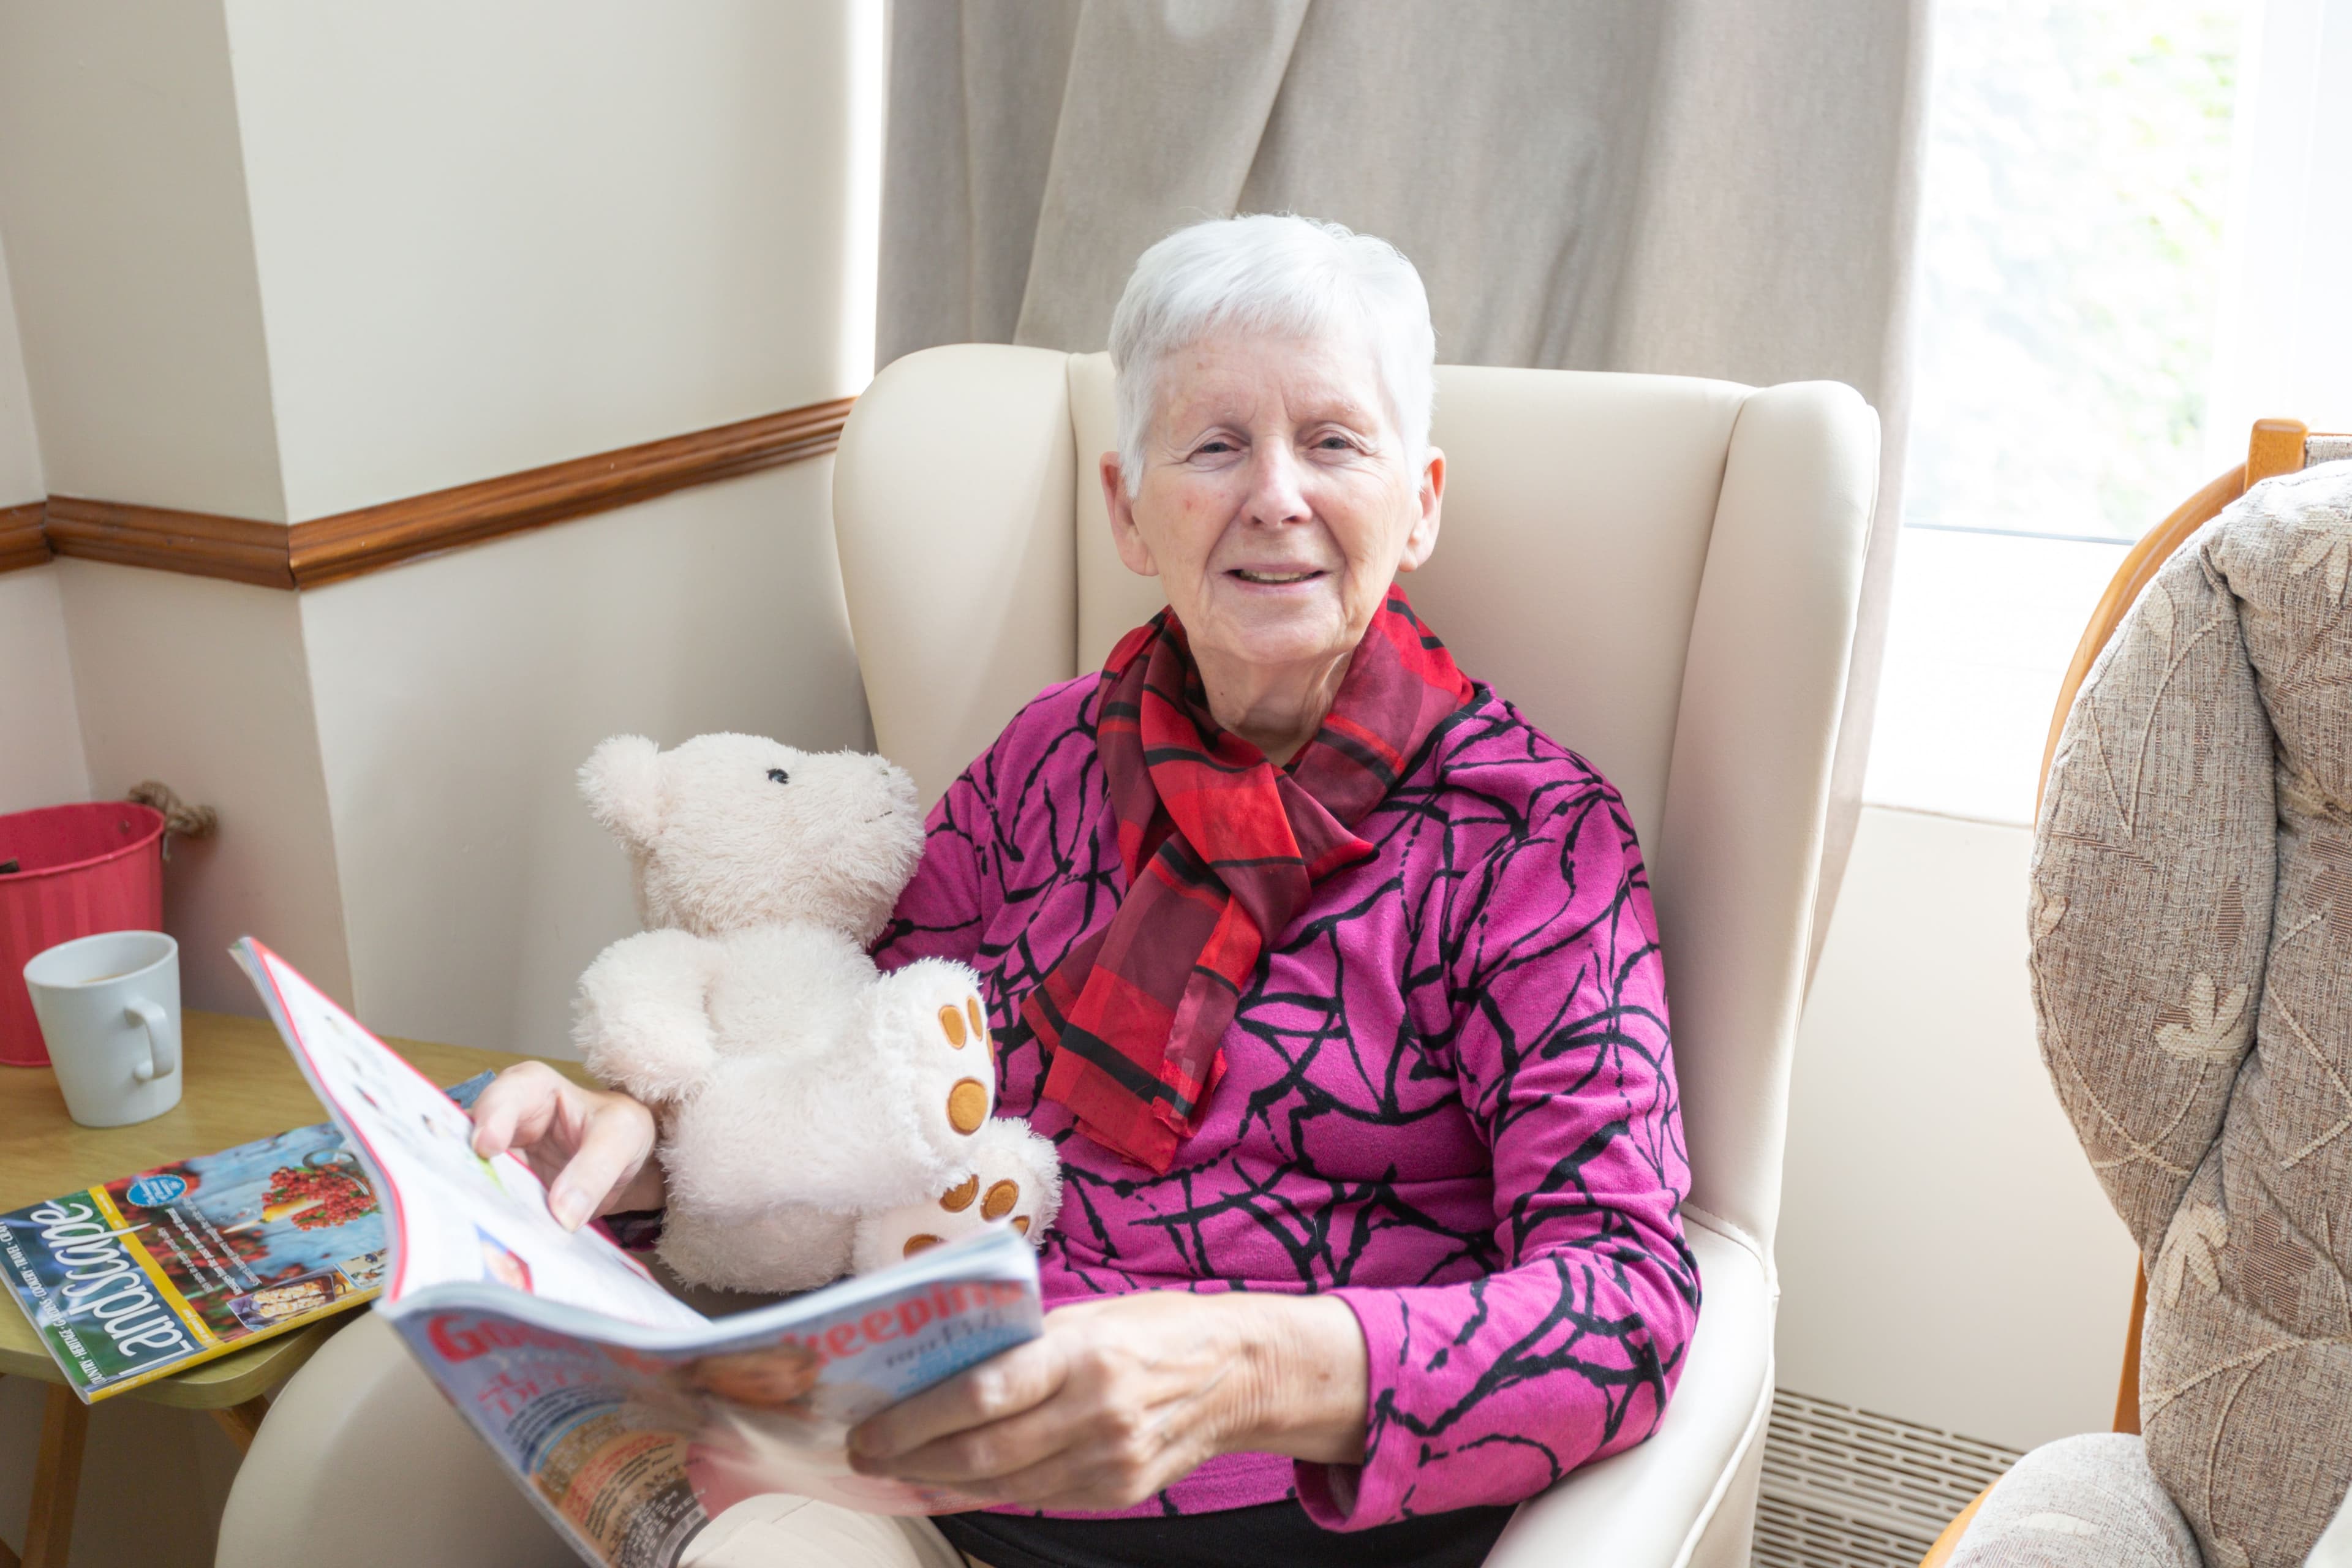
x=187, y=821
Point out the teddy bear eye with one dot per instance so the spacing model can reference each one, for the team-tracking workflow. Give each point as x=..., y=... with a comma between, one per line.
x=780, y=775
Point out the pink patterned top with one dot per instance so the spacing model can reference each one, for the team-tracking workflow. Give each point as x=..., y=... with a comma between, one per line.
x=1449, y=1098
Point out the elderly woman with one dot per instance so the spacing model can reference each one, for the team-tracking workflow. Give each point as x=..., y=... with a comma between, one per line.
x=1334, y=979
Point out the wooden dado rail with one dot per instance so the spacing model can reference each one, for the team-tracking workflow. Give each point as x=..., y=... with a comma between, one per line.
x=329, y=549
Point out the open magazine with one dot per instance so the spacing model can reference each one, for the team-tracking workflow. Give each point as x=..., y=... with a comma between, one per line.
x=629, y=1418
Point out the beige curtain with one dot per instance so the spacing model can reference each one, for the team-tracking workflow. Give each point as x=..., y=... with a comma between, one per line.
x=1700, y=188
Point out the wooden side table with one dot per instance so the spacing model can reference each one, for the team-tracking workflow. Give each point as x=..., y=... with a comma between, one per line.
x=239, y=1084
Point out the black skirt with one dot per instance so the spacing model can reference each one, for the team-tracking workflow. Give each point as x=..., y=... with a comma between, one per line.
x=1275, y=1533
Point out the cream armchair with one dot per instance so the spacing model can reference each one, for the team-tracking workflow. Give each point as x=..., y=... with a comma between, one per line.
x=1661, y=573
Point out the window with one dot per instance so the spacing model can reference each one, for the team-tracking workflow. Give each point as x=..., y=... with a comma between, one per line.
x=2077, y=172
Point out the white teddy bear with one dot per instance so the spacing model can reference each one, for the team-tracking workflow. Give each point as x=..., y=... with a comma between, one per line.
x=816, y=1115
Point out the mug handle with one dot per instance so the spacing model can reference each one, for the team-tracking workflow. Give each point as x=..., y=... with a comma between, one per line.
x=162, y=1061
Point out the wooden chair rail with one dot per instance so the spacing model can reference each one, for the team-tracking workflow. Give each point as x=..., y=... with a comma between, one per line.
x=330, y=549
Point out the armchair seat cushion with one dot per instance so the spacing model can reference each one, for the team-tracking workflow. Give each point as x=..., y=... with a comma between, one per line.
x=2080, y=1502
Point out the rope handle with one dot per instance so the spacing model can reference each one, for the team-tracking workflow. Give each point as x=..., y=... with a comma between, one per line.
x=179, y=817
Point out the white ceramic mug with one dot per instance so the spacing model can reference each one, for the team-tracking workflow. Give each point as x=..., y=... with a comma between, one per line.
x=109, y=1012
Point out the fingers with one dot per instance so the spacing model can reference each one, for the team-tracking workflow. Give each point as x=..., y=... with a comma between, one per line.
x=1005, y=1386
x=1074, y=1481
x=590, y=1147
x=1117, y=1398
x=516, y=1108
x=613, y=1149
x=1082, y=1449
x=997, y=1460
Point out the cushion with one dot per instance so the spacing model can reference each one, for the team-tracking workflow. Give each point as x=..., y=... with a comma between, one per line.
x=2191, y=919
x=2080, y=1502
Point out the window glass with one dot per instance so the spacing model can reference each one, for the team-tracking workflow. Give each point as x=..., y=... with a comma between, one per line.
x=2077, y=168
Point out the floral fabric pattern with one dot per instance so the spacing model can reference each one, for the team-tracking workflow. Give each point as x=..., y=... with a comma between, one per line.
x=2191, y=916
x=1449, y=1098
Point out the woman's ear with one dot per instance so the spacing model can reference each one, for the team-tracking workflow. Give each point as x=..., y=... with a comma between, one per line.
x=1421, y=537
x=1124, y=534
x=621, y=782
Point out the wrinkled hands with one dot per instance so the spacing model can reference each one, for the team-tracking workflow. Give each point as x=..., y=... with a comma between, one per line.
x=1117, y=1399
x=593, y=1148
x=1121, y=1397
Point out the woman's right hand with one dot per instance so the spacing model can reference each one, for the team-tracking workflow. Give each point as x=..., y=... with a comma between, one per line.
x=592, y=1147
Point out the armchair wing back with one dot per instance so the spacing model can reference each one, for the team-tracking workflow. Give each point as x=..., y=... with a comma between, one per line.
x=1661, y=571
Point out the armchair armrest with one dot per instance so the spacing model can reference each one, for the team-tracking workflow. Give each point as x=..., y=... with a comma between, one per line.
x=1688, y=1495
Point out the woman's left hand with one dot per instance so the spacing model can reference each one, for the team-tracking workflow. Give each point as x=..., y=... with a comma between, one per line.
x=1123, y=1396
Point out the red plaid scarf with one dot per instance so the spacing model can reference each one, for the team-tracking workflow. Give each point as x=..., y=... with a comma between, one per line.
x=1221, y=849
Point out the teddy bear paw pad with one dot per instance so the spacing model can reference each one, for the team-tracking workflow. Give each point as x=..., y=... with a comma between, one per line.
x=967, y=1105
x=965, y=1024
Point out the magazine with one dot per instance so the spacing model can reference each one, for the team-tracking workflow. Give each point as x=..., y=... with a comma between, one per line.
x=630, y=1419
x=152, y=1273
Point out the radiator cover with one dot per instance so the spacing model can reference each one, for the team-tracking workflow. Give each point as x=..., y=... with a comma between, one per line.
x=1844, y=1487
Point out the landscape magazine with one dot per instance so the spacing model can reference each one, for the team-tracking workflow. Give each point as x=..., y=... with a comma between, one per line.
x=152, y=1273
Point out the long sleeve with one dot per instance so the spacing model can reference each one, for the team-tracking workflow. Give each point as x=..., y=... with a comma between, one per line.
x=941, y=908
x=1553, y=1014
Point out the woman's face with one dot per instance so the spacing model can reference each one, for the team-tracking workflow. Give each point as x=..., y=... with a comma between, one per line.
x=1276, y=504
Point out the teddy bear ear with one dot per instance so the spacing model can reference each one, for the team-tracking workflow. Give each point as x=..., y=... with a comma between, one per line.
x=621, y=780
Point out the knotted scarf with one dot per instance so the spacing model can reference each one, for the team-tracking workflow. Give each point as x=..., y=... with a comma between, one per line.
x=1221, y=849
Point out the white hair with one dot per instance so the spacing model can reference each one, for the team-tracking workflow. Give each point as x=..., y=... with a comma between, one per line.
x=1276, y=273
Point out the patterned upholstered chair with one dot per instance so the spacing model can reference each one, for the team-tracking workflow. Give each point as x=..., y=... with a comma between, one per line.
x=2192, y=935
x=1664, y=573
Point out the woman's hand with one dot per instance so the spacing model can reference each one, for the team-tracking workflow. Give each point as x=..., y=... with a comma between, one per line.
x=1121, y=1397
x=592, y=1147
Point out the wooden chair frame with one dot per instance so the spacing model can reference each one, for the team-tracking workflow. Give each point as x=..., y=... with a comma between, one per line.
x=2274, y=448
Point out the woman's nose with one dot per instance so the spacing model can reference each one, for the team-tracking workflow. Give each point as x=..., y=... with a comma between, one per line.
x=1276, y=493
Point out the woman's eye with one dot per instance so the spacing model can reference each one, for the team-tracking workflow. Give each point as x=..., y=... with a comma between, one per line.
x=779, y=775
x=1212, y=449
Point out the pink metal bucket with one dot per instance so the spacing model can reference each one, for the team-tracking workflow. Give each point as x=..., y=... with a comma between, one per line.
x=82, y=870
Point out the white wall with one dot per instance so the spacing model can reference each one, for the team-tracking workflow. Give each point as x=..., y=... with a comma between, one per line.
x=492, y=239
x=203, y=684
x=41, y=760
x=457, y=698
x=480, y=239
x=122, y=211
x=477, y=241
x=1946, y=1254
x=20, y=448
x=495, y=236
